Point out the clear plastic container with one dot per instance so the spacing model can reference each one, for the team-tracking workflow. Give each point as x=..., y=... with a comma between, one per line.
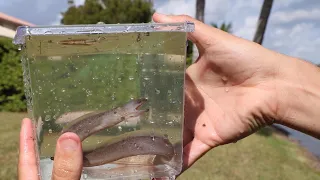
x=120, y=87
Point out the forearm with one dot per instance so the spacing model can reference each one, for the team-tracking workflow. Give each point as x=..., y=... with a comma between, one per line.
x=299, y=96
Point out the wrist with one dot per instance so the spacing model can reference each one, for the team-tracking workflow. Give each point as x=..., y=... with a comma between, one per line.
x=298, y=95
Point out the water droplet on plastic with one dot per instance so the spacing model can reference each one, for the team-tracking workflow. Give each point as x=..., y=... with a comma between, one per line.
x=89, y=93
x=63, y=90
x=120, y=128
x=224, y=78
x=157, y=91
x=47, y=118
x=131, y=78
x=146, y=78
x=50, y=131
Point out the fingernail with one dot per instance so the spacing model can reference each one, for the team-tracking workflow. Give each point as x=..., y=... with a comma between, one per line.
x=68, y=144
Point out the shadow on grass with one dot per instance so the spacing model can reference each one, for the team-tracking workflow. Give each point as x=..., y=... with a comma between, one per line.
x=269, y=130
x=266, y=131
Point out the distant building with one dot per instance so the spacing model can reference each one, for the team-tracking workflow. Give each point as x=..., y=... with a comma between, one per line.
x=9, y=24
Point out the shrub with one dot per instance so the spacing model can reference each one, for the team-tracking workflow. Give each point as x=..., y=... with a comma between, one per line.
x=11, y=80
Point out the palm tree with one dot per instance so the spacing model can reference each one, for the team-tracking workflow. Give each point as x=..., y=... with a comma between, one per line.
x=101, y=3
x=70, y=3
x=263, y=20
x=200, y=6
x=224, y=27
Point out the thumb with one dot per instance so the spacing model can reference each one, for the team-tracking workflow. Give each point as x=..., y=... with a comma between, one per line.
x=193, y=151
x=203, y=36
x=68, y=158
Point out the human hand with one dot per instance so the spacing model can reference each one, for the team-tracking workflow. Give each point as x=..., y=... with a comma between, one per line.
x=231, y=90
x=67, y=159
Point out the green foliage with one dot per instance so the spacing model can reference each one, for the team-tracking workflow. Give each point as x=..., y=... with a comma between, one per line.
x=189, y=61
x=124, y=11
x=224, y=27
x=11, y=80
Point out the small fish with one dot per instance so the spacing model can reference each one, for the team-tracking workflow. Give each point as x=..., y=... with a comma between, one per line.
x=130, y=147
x=142, y=149
x=94, y=122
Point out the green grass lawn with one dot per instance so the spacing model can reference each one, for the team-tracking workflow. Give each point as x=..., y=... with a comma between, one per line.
x=258, y=157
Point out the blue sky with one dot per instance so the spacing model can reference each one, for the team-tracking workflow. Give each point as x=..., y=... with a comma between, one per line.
x=293, y=27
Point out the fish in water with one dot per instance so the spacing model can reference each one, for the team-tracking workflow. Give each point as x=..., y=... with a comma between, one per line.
x=94, y=122
x=158, y=148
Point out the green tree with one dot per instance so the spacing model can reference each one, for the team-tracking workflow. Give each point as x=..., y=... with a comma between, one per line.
x=109, y=12
x=224, y=27
x=11, y=81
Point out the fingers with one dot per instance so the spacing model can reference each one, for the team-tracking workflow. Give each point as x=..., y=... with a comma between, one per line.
x=194, y=151
x=68, y=158
x=27, y=166
x=204, y=35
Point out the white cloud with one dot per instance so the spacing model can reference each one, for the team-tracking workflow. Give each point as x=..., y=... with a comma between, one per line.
x=248, y=29
x=278, y=43
x=59, y=16
x=298, y=29
x=78, y=2
x=299, y=40
x=286, y=3
x=43, y=6
x=296, y=15
x=292, y=38
x=247, y=4
x=280, y=31
x=177, y=7
x=215, y=9
x=57, y=20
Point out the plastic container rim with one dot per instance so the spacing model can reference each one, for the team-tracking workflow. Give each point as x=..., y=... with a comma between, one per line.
x=81, y=29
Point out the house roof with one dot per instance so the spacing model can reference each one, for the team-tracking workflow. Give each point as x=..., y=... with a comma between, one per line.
x=14, y=20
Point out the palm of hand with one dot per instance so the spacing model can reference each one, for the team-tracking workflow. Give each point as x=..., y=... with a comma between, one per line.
x=225, y=104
